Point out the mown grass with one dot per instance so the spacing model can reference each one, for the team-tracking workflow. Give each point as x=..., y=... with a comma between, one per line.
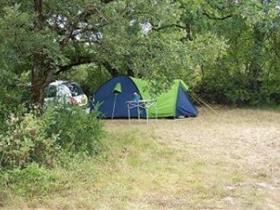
x=137, y=172
x=154, y=167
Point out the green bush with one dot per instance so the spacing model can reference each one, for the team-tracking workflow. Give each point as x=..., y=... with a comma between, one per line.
x=43, y=138
x=78, y=131
x=222, y=88
x=27, y=141
x=32, y=180
x=6, y=110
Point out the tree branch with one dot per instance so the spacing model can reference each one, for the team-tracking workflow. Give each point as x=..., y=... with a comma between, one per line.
x=107, y=1
x=77, y=62
x=212, y=17
x=169, y=26
x=110, y=68
x=86, y=60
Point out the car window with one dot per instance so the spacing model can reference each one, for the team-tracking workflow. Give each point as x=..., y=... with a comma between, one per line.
x=63, y=91
x=51, y=91
x=75, y=89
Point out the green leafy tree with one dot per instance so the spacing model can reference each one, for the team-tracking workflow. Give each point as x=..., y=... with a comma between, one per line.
x=228, y=49
x=247, y=72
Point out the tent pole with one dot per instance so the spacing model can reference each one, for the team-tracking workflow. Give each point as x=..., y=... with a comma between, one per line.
x=138, y=111
x=147, y=115
x=128, y=112
x=113, y=113
x=156, y=111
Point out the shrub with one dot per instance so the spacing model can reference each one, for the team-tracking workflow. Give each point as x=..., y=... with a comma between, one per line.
x=42, y=138
x=234, y=88
x=27, y=141
x=32, y=180
x=79, y=132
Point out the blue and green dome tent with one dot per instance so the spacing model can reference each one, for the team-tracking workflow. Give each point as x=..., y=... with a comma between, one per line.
x=112, y=97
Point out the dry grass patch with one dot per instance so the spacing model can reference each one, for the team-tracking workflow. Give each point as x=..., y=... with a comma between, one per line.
x=225, y=161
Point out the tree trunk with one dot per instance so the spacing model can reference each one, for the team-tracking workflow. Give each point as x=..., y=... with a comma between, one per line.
x=42, y=75
x=111, y=69
x=255, y=66
x=38, y=9
x=42, y=72
x=202, y=72
x=130, y=72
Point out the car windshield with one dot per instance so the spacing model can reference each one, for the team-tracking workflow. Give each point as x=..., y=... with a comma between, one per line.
x=75, y=89
x=63, y=91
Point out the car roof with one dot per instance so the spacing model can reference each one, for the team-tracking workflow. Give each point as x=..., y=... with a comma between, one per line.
x=61, y=82
x=58, y=82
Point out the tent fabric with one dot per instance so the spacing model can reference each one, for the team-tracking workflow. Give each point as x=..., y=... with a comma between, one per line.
x=166, y=101
x=184, y=105
x=105, y=98
x=174, y=102
x=117, y=89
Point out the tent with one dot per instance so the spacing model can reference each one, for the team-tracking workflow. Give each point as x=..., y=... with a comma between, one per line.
x=112, y=97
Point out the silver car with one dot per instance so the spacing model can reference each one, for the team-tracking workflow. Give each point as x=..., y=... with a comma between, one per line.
x=65, y=92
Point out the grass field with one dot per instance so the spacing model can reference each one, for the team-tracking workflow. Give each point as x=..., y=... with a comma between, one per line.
x=224, y=160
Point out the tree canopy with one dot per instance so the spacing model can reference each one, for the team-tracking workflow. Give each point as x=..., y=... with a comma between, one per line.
x=228, y=51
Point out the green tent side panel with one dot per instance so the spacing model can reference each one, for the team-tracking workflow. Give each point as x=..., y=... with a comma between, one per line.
x=166, y=101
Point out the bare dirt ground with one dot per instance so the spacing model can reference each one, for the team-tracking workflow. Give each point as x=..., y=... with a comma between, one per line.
x=239, y=154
